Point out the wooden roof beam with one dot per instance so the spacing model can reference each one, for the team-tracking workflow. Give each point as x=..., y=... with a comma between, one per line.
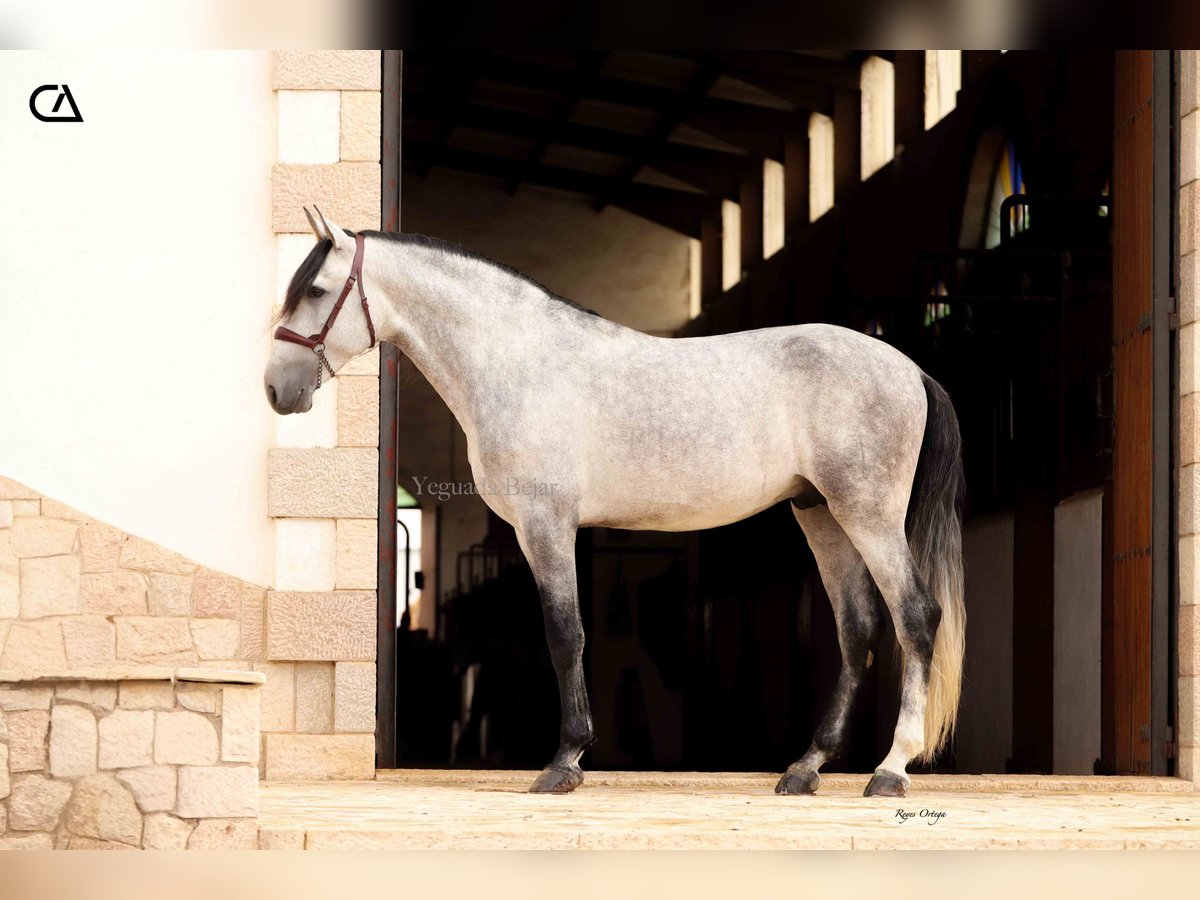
x=795, y=67
x=576, y=86
x=711, y=170
x=643, y=96
x=679, y=210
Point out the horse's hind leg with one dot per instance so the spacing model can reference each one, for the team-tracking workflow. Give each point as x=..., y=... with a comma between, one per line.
x=854, y=598
x=916, y=616
x=549, y=546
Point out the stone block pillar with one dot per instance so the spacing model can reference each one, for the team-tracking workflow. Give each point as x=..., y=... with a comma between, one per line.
x=319, y=703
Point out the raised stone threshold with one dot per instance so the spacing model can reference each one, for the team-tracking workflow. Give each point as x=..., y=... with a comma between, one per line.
x=464, y=809
x=127, y=757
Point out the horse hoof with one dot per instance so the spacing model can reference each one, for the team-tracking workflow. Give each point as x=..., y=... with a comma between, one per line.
x=553, y=780
x=798, y=783
x=885, y=784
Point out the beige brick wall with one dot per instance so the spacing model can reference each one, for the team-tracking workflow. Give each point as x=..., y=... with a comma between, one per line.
x=319, y=637
x=1188, y=742
x=79, y=594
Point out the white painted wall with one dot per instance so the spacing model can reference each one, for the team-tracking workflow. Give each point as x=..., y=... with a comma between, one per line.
x=984, y=739
x=1077, y=585
x=137, y=266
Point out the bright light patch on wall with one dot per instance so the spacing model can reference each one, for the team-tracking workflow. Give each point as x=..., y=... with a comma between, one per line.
x=820, y=166
x=773, y=213
x=943, y=78
x=731, y=244
x=408, y=540
x=694, y=278
x=877, y=80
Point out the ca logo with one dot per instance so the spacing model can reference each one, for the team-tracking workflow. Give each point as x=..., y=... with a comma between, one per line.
x=57, y=113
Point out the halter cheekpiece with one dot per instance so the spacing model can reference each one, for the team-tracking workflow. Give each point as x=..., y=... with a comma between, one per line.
x=316, y=342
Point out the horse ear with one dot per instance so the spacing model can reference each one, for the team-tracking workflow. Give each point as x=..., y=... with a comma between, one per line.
x=341, y=241
x=314, y=225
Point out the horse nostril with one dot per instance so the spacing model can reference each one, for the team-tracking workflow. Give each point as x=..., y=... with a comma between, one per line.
x=271, y=393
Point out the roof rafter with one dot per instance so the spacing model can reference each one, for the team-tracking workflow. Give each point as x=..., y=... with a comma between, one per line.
x=638, y=95
x=576, y=87
x=683, y=210
x=619, y=143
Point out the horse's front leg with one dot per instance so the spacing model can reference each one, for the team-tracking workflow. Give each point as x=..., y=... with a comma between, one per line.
x=549, y=546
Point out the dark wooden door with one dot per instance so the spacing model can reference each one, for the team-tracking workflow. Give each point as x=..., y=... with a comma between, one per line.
x=1126, y=621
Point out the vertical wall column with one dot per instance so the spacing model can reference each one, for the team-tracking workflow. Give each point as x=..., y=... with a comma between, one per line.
x=750, y=201
x=795, y=182
x=847, y=142
x=319, y=700
x=711, y=258
x=1187, y=722
x=910, y=96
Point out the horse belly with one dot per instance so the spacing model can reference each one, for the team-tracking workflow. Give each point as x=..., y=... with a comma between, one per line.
x=681, y=499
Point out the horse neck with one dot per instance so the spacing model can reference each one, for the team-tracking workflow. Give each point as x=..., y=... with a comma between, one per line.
x=456, y=317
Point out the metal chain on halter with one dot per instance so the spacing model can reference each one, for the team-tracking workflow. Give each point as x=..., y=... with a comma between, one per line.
x=322, y=363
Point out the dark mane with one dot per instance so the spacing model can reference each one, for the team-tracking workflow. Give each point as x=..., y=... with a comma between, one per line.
x=308, y=270
x=304, y=276
x=421, y=240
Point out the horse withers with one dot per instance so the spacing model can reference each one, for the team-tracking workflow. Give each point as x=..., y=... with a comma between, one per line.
x=669, y=434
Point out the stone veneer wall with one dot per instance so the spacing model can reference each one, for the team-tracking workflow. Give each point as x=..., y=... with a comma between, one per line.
x=78, y=594
x=319, y=701
x=1188, y=720
x=153, y=758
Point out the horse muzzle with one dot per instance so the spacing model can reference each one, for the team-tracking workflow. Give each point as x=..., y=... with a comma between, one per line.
x=286, y=398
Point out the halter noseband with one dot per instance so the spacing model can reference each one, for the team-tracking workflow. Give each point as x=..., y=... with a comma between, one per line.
x=316, y=342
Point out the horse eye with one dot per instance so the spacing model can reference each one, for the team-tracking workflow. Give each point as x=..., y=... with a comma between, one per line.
x=315, y=291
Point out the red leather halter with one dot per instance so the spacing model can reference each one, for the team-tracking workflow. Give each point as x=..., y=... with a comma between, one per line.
x=316, y=342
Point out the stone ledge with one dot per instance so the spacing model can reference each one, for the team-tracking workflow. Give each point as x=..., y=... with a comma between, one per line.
x=137, y=673
x=220, y=676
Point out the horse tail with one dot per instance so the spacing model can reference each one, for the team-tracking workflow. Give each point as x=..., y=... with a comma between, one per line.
x=935, y=537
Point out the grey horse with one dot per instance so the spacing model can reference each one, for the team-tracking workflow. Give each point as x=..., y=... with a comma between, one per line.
x=601, y=425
